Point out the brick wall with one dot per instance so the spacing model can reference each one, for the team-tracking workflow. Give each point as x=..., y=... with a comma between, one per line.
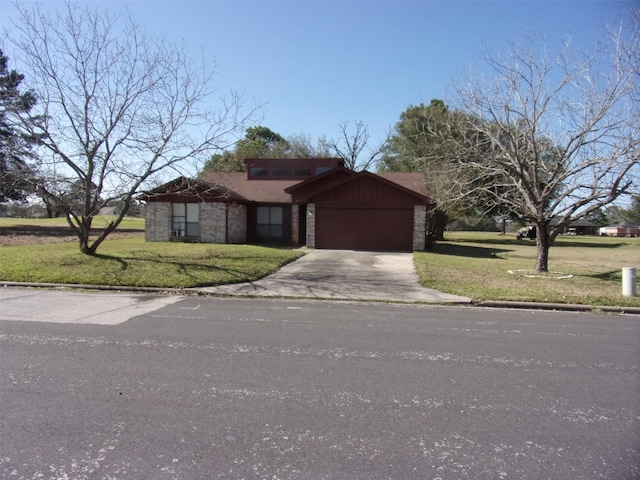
x=213, y=222
x=157, y=222
x=237, y=224
x=295, y=225
x=419, y=227
x=311, y=225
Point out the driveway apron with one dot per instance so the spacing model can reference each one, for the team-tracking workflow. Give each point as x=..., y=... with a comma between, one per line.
x=343, y=275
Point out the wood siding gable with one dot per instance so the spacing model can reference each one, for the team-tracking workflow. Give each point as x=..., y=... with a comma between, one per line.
x=367, y=190
x=303, y=190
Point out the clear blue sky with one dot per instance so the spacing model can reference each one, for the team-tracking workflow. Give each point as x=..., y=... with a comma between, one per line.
x=316, y=64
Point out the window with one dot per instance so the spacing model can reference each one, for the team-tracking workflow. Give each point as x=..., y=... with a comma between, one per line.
x=280, y=172
x=185, y=220
x=270, y=220
x=302, y=172
x=258, y=172
x=321, y=170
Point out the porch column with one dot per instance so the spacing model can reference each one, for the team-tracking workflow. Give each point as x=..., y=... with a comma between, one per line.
x=295, y=224
x=311, y=225
x=419, y=227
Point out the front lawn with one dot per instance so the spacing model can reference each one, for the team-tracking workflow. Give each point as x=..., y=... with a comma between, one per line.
x=483, y=266
x=488, y=266
x=134, y=262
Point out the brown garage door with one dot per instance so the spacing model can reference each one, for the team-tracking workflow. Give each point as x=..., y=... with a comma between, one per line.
x=364, y=228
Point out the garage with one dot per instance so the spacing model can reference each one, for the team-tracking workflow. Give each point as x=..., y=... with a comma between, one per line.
x=365, y=212
x=364, y=228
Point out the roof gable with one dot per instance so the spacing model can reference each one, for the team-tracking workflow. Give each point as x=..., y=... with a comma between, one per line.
x=367, y=189
x=300, y=192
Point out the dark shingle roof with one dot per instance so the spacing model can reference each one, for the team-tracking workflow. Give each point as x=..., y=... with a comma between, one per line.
x=273, y=191
x=266, y=191
x=237, y=186
x=410, y=180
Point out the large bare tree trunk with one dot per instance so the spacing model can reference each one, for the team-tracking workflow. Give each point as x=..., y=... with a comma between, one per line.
x=543, y=243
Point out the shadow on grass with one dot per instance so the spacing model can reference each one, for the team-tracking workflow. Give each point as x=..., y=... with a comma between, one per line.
x=468, y=251
x=498, y=240
x=612, y=276
x=564, y=243
x=56, y=230
x=560, y=242
x=193, y=270
x=123, y=264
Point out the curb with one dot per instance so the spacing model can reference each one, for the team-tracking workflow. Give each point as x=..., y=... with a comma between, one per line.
x=567, y=307
x=80, y=286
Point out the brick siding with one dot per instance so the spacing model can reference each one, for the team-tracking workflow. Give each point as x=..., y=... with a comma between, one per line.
x=419, y=227
x=311, y=225
x=237, y=224
x=213, y=222
x=157, y=222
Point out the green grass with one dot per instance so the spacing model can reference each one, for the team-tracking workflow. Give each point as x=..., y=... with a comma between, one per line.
x=134, y=262
x=98, y=222
x=477, y=265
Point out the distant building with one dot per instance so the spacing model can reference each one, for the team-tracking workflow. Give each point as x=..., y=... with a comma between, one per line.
x=109, y=211
x=620, y=230
x=579, y=227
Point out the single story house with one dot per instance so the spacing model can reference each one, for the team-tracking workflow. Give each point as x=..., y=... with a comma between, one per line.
x=313, y=201
x=620, y=230
x=579, y=227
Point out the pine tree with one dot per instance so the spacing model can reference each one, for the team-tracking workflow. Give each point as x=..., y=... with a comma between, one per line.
x=16, y=176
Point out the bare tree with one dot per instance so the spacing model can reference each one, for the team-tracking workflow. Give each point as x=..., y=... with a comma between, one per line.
x=351, y=146
x=550, y=136
x=120, y=107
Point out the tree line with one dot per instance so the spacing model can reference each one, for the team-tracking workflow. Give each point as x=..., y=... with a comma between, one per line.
x=109, y=111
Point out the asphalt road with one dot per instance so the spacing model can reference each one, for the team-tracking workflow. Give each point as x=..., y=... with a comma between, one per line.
x=208, y=388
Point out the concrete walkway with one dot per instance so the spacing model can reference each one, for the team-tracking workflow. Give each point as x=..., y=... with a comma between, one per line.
x=61, y=306
x=343, y=275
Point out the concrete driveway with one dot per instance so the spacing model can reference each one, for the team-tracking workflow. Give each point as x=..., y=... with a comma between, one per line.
x=343, y=275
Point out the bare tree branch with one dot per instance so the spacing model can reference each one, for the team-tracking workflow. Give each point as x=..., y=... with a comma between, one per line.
x=351, y=147
x=553, y=137
x=120, y=107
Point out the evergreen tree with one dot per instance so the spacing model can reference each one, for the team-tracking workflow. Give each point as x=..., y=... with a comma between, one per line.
x=16, y=176
x=424, y=141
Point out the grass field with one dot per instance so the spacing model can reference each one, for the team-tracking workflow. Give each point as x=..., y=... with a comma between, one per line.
x=98, y=222
x=488, y=266
x=483, y=266
x=134, y=262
